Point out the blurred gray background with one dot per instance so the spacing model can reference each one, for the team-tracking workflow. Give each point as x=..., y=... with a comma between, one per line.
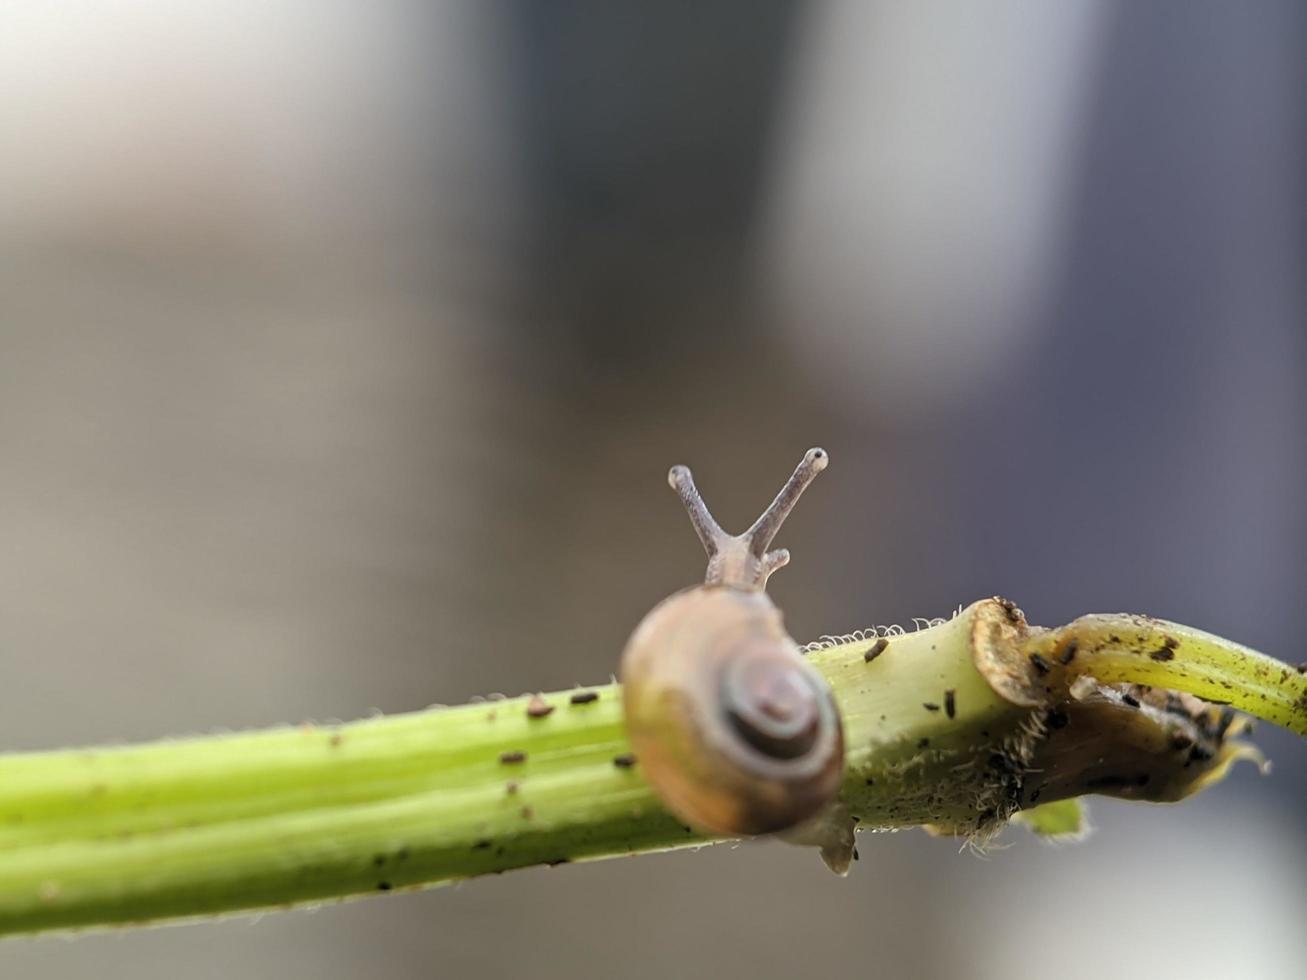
x=344, y=349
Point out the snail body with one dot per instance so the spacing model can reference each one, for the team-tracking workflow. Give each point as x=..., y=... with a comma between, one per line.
x=736, y=732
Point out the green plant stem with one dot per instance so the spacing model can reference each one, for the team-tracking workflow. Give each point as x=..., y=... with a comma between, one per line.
x=224, y=823
x=1126, y=648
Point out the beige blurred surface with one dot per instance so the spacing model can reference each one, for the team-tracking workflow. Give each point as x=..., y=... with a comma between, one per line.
x=294, y=426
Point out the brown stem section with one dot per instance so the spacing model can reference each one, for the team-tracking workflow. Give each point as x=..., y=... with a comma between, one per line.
x=1113, y=705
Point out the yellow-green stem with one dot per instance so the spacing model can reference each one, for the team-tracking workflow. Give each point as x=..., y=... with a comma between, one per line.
x=201, y=826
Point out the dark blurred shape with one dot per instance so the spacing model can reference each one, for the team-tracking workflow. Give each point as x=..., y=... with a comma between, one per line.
x=645, y=131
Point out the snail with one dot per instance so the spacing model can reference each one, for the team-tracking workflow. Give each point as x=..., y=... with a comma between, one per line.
x=736, y=732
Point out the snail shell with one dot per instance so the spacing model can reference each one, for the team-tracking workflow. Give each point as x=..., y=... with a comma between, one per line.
x=735, y=731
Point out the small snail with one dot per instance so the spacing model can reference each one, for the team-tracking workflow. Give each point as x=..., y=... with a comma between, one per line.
x=734, y=730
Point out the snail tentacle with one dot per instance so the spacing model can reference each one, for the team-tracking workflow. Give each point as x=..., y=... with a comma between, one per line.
x=742, y=561
x=705, y=525
x=764, y=529
x=774, y=560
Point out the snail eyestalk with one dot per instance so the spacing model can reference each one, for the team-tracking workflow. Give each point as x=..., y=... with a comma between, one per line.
x=680, y=479
x=742, y=561
x=764, y=529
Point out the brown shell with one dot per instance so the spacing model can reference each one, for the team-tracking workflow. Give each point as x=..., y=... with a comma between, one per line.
x=737, y=733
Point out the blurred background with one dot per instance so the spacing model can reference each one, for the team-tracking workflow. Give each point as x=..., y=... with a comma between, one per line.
x=344, y=349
